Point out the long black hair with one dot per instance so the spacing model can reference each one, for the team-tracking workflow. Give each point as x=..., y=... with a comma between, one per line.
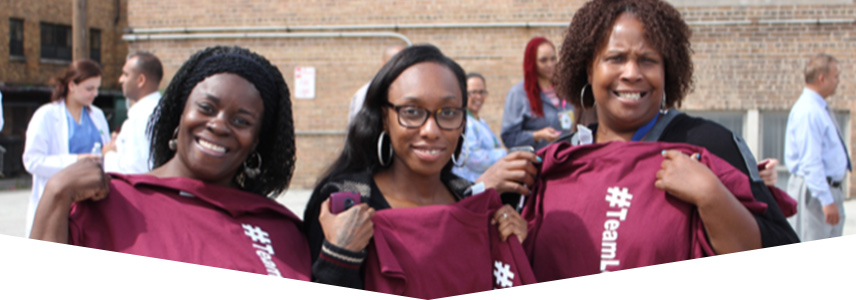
x=276, y=136
x=360, y=151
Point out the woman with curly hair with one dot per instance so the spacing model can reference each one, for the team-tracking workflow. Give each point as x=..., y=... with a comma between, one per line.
x=205, y=201
x=631, y=59
x=65, y=130
x=534, y=115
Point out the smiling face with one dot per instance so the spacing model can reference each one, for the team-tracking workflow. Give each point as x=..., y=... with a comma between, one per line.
x=84, y=93
x=627, y=78
x=476, y=94
x=425, y=150
x=219, y=128
x=546, y=61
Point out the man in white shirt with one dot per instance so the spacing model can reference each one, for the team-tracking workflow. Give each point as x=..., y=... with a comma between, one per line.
x=816, y=155
x=129, y=151
x=360, y=96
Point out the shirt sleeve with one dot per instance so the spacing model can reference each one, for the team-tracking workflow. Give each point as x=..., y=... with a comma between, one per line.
x=513, y=118
x=330, y=264
x=810, y=135
x=37, y=157
x=479, y=155
x=132, y=148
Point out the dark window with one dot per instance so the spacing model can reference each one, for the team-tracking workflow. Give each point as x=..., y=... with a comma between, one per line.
x=16, y=37
x=95, y=45
x=56, y=41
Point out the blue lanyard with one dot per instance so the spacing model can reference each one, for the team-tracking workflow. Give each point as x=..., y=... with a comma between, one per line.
x=641, y=132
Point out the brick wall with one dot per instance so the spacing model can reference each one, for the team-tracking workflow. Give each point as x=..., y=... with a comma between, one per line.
x=738, y=67
x=101, y=14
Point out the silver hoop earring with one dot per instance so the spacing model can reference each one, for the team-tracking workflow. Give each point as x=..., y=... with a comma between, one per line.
x=583, y=102
x=464, y=151
x=380, y=151
x=173, y=143
x=663, y=102
x=252, y=172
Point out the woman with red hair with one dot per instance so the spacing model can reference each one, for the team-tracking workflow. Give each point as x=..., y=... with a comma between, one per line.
x=534, y=115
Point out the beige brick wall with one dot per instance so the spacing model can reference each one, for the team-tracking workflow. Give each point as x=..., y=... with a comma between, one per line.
x=101, y=14
x=738, y=67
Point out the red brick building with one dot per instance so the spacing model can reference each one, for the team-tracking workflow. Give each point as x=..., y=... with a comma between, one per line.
x=37, y=46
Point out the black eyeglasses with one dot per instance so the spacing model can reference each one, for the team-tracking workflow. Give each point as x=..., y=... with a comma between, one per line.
x=477, y=92
x=412, y=116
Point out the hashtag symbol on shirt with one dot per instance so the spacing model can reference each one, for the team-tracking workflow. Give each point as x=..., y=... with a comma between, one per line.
x=502, y=273
x=618, y=197
x=257, y=234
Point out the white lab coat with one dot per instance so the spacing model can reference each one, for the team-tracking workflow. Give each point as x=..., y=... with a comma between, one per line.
x=133, y=144
x=46, y=147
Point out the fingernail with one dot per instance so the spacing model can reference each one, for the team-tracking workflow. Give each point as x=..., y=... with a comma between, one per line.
x=663, y=153
x=698, y=156
x=539, y=159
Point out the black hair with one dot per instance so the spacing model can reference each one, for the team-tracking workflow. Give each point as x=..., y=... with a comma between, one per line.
x=360, y=151
x=149, y=65
x=276, y=136
x=589, y=31
x=477, y=75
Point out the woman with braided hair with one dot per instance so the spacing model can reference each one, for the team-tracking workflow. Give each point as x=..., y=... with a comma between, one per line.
x=205, y=201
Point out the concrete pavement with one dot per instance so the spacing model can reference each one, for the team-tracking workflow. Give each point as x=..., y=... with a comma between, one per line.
x=13, y=209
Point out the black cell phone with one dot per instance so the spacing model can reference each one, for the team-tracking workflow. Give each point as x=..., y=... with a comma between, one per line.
x=342, y=201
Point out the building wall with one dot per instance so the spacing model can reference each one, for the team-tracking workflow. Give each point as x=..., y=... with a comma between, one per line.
x=101, y=14
x=25, y=83
x=737, y=66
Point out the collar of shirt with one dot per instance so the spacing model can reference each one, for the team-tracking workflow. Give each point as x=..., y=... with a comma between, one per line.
x=816, y=97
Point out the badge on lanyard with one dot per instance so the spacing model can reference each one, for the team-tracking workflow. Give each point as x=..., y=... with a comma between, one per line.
x=566, y=117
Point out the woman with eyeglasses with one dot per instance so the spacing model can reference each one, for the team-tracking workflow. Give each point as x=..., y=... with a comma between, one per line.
x=534, y=115
x=481, y=147
x=399, y=155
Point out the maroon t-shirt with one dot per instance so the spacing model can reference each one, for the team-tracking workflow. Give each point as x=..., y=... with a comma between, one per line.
x=186, y=220
x=443, y=250
x=595, y=209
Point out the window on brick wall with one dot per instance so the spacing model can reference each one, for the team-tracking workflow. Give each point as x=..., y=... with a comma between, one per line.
x=95, y=45
x=16, y=37
x=56, y=41
x=733, y=120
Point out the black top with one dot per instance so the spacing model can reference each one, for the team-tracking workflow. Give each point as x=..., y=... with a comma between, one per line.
x=338, y=266
x=682, y=128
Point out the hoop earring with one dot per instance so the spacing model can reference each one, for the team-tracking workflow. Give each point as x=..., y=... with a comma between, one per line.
x=173, y=143
x=380, y=151
x=583, y=102
x=253, y=172
x=663, y=102
x=465, y=151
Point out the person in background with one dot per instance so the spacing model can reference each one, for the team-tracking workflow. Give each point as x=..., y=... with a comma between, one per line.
x=481, y=147
x=534, y=115
x=128, y=152
x=223, y=143
x=360, y=96
x=816, y=155
x=67, y=129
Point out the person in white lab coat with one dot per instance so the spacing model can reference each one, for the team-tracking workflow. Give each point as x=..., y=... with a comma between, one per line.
x=129, y=152
x=67, y=129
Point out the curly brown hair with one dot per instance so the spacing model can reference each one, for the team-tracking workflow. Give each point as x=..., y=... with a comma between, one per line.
x=590, y=29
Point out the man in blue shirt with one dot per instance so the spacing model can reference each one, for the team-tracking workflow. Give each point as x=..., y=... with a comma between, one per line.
x=816, y=155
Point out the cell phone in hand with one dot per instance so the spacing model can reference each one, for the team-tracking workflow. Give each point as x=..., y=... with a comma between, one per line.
x=526, y=148
x=342, y=201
